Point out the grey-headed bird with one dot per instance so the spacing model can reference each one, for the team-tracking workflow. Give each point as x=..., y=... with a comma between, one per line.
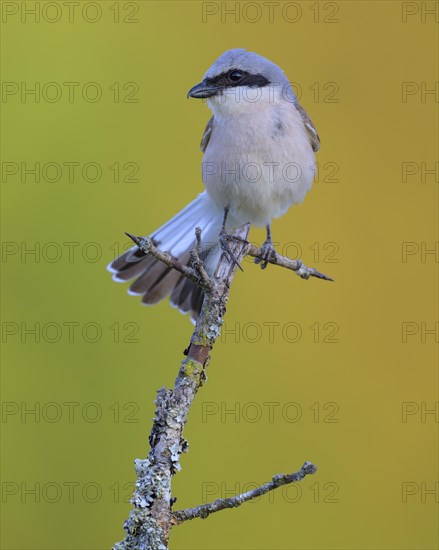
x=258, y=161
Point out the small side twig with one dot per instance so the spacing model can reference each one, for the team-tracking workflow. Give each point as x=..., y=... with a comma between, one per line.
x=204, y=510
x=297, y=266
x=196, y=273
x=197, y=262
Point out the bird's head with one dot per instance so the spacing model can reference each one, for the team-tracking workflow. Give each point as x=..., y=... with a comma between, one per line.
x=239, y=79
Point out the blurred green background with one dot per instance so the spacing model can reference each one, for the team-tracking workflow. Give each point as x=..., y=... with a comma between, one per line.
x=342, y=374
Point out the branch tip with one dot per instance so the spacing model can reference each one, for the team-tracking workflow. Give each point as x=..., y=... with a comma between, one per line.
x=309, y=468
x=204, y=510
x=135, y=239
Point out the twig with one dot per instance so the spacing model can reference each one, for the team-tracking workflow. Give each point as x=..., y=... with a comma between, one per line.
x=204, y=510
x=197, y=263
x=297, y=266
x=195, y=273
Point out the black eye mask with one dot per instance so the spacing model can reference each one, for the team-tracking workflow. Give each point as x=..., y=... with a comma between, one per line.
x=231, y=79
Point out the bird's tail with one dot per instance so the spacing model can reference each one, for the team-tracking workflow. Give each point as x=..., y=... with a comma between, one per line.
x=154, y=280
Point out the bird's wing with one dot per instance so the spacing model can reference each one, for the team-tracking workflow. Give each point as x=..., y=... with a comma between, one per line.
x=312, y=132
x=206, y=136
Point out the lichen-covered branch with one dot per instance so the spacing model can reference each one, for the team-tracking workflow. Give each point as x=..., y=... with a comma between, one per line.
x=151, y=519
x=204, y=510
x=149, y=523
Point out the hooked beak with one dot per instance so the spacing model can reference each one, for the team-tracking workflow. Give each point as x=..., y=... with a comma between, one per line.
x=203, y=90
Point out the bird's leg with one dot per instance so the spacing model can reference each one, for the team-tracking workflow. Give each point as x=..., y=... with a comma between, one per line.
x=267, y=250
x=223, y=238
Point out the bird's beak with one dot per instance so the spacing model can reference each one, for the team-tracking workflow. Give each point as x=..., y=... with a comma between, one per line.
x=203, y=90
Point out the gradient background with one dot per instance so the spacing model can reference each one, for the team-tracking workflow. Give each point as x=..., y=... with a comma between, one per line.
x=349, y=61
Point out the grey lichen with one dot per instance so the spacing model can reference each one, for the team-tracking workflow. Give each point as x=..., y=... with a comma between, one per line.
x=215, y=329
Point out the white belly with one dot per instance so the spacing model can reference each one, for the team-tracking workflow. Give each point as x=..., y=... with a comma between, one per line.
x=257, y=168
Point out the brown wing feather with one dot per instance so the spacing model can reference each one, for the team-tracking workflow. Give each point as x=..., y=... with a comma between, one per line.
x=206, y=136
x=310, y=128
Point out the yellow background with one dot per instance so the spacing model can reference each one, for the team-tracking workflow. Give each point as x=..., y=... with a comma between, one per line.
x=369, y=455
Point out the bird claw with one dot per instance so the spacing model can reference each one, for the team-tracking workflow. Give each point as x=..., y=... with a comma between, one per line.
x=267, y=253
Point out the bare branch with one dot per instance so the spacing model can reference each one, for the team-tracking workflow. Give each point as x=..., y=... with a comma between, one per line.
x=297, y=266
x=198, y=274
x=195, y=273
x=198, y=264
x=204, y=510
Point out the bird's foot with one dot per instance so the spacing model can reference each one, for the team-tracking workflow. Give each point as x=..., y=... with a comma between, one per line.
x=267, y=253
x=224, y=242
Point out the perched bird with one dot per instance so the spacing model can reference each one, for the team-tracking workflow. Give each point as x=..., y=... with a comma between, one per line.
x=258, y=161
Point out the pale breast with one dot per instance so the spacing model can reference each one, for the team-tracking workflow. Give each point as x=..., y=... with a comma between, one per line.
x=259, y=164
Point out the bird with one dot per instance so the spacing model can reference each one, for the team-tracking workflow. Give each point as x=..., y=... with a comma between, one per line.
x=259, y=159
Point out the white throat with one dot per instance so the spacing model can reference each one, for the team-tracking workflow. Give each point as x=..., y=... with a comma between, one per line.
x=245, y=100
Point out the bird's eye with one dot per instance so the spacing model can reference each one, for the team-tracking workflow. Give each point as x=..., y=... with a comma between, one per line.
x=235, y=76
